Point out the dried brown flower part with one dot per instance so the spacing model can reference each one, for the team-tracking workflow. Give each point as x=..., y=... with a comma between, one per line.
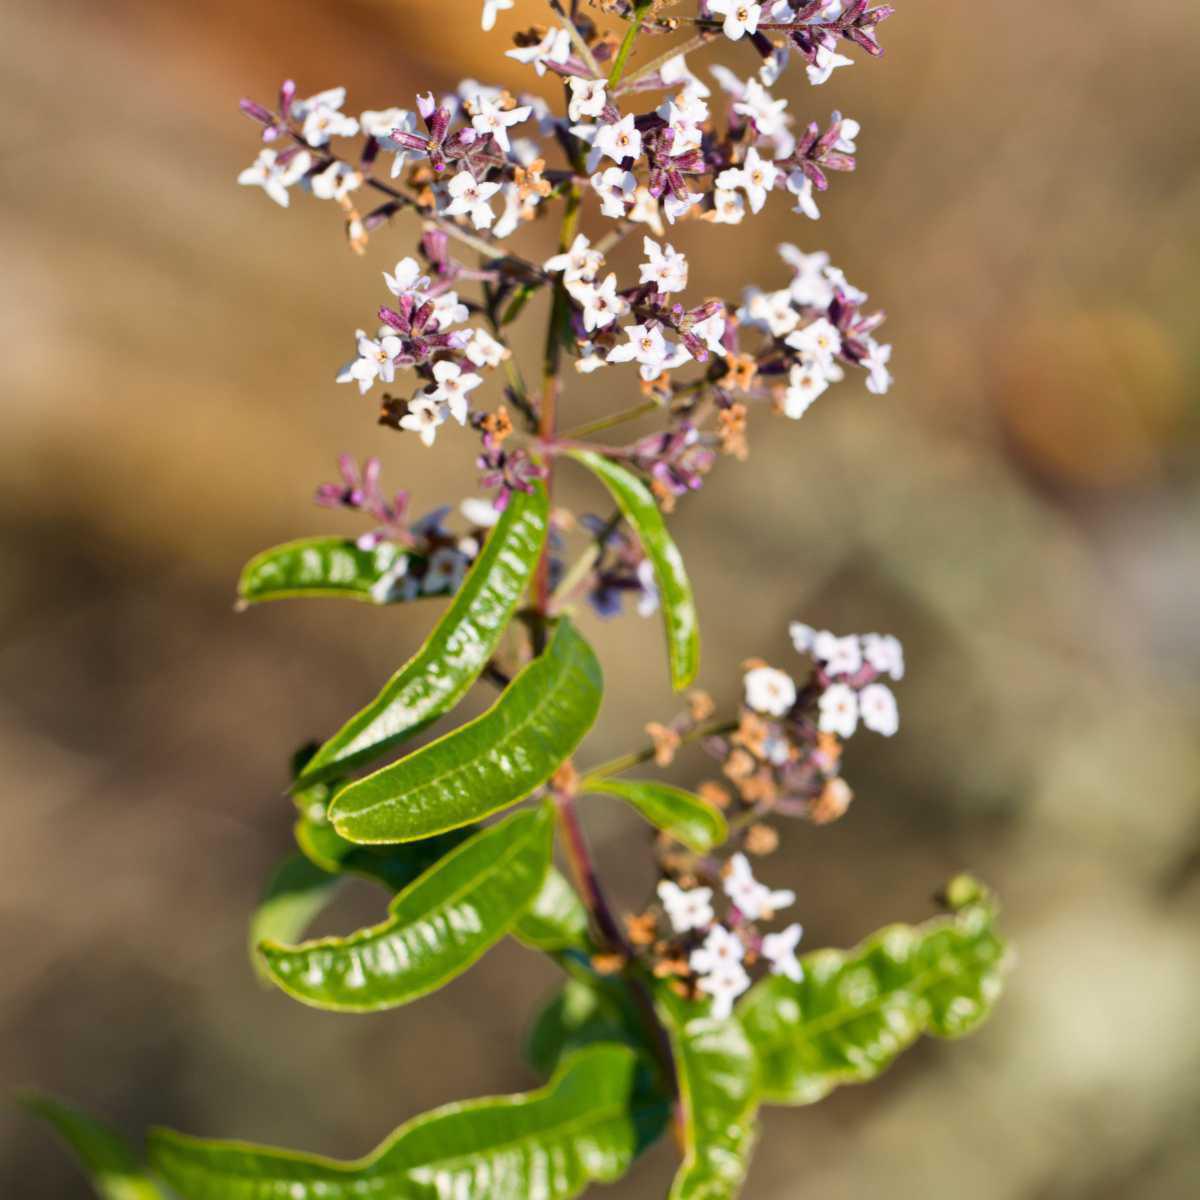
x=356, y=233
x=759, y=789
x=608, y=964
x=664, y=495
x=529, y=180
x=731, y=428
x=740, y=765
x=753, y=664
x=700, y=704
x=666, y=742
x=752, y=733
x=669, y=968
x=714, y=793
x=499, y=423
x=828, y=754
x=740, y=372
x=761, y=839
x=565, y=779
x=832, y=803
x=642, y=928
x=658, y=388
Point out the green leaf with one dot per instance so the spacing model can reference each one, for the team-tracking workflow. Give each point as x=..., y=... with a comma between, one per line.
x=675, y=592
x=687, y=818
x=855, y=1011
x=716, y=1069
x=112, y=1167
x=296, y=893
x=436, y=927
x=557, y=919
x=581, y=1014
x=487, y=764
x=327, y=566
x=442, y=671
x=548, y=1144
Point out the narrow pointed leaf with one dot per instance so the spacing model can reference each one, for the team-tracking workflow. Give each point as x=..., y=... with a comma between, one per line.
x=112, y=1167
x=855, y=1011
x=440, y=673
x=687, y=818
x=637, y=505
x=328, y=566
x=582, y=1014
x=716, y=1069
x=549, y=1144
x=297, y=892
x=436, y=928
x=487, y=764
x=557, y=919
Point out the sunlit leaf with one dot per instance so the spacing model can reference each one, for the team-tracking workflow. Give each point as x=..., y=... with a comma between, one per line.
x=436, y=928
x=856, y=1010
x=296, y=893
x=112, y=1167
x=716, y=1070
x=675, y=592
x=557, y=919
x=687, y=818
x=544, y=1145
x=328, y=566
x=487, y=764
x=439, y=674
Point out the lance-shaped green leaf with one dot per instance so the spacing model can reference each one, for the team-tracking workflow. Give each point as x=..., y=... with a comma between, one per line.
x=854, y=1011
x=637, y=505
x=550, y=1144
x=716, y=1069
x=581, y=1013
x=329, y=566
x=440, y=673
x=436, y=927
x=111, y=1166
x=487, y=764
x=556, y=920
x=296, y=893
x=687, y=818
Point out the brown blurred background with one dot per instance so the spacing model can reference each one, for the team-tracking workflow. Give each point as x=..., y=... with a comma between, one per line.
x=1021, y=511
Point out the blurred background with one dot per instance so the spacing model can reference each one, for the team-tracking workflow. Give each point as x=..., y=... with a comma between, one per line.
x=1021, y=511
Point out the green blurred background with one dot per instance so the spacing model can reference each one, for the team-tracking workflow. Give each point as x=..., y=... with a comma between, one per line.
x=1021, y=511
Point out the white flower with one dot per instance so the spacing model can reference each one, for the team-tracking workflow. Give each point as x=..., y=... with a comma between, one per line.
x=675, y=70
x=381, y=123
x=879, y=378
x=445, y=571
x=827, y=62
x=769, y=691
x=336, y=182
x=710, y=331
x=484, y=351
x=646, y=210
x=877, y=706
x=772, y=311
x=802, y=636
x=885, y=653
x=724, y=987
x=756, y=177
x=720, y=950
x=841, y=655
x=849, y=130
x=674, y=207
x=691, y=909
x=647, y=346
x=839, y=710
x=754, y=900
x=274, y=179
x=779, y=949
x=665, y=267
x=321, y=119
x=448, y=310
x=406, y=278
x=581, y=261
x=423, y=417
x=619, y=140
x=806, y=381
x=762, y=108
x=588, y=97
x=589, y=360
x=601, y=304
x=739, y=17
x=481, y=513
x=615, y=187
x=490, y=9
x=555, y=47
x=810, y=285
x=801, y=187
x=490, y=118
x=374, y=361
x=684, y=117
x=819, y=341
x=470, y=198
x=453, y=387
x=728, y=207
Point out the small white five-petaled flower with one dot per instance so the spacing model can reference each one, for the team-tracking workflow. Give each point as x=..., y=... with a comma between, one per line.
x=273, y=177
x=469, y=197
x=779, y=949
x=686, y=909
x=739, y=17
x=769, y=691
x=754, y=900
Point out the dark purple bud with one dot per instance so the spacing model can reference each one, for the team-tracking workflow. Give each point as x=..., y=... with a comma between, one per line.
x=287, y=93
x=256, y=112
x=370, y=152
x=438, y=122
x=392, y=319
x=410, y=141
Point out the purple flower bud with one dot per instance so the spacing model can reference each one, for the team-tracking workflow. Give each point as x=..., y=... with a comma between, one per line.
x=256, y=112
x=287, y=93
x=426, y=105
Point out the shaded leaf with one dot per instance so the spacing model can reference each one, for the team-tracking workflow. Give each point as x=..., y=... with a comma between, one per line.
x=296, y=893
x=637, y=505
x=455, y=653
x=581, y=1014
x=112, y=1167
x=856, y=1010
x=557, y=919
x=487, y=764
x=544, y=1145
x=687, y=818
x=716, y=1069
x=436, y=928
x=327, y=566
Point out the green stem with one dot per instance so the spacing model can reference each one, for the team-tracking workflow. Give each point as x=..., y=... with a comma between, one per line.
x=616, y=765
x=640, y=11
x=619, y=418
